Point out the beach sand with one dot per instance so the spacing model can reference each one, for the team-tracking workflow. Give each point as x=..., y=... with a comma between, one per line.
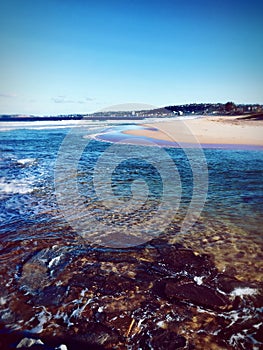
x=206, y=130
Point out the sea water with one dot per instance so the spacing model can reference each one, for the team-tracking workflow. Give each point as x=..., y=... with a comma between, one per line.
x=27, y=170
x=228, y=227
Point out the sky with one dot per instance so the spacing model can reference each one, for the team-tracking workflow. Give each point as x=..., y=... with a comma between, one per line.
x=76, y=56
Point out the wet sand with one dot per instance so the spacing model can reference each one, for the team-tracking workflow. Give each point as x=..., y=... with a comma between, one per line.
x=206, y=130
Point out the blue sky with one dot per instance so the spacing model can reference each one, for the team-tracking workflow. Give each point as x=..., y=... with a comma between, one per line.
x=65, y=56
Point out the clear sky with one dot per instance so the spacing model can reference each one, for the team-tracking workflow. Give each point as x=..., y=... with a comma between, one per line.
x=78, y=56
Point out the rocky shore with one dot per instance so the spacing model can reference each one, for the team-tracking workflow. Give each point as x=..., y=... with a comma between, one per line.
x=156, y=296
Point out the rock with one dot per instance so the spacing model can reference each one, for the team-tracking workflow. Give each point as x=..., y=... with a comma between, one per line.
x=197, y=294
x=96, y=335
x=259, y=334
x=180, y=259
x=51, y=295
x=34, y=275
x=46, y=265
x=228, y=283
x=166, y=340
x=156, y=296
x=28, y=342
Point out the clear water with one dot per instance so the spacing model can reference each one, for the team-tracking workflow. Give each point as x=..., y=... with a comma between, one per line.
x=229, y=227
x=28, y=158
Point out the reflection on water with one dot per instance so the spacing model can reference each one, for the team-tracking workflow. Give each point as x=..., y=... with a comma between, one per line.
x=54, y=283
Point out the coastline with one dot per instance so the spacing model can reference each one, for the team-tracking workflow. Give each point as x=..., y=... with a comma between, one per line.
x=222, y=130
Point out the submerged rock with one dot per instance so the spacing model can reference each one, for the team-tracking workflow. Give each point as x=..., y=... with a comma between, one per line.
x=166, y=340
x=51, y=295
x=189, y=291
x=44, y=266
x=156, y=296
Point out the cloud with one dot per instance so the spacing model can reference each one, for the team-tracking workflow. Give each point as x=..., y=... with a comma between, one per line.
x=64, y=99
x=61, y=99
x=7, y=95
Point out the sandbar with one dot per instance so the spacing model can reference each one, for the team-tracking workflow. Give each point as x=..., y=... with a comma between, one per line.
x=222, y=130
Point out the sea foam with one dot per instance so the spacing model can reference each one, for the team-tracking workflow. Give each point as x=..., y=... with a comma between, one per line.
x=15, y=187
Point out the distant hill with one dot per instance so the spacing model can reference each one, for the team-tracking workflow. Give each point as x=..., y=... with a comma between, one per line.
x=229, y=108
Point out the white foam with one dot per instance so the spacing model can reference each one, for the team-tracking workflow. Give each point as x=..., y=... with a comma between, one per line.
x=62, y=315
x=77, y=312
x=240, y=292
x=54, y=261
x=49, y=124
x=61, y=347
x=43, y=317
x=257, y=326
x=198, y=280
x=15, y=186
x=161, y=324
x=5, y=316
x=2, y=301
x=54, y=124
x=82, y=294
x=234, y=340
x=26, y=161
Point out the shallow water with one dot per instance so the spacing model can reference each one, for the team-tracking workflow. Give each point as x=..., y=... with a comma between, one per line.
x=229, y=227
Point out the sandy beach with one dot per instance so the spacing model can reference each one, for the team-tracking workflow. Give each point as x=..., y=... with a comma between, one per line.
x=206, y=130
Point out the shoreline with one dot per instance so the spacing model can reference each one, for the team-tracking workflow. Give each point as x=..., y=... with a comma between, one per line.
x=237, y=130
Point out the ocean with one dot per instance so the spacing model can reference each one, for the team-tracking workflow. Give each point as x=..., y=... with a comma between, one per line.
x=71, y=194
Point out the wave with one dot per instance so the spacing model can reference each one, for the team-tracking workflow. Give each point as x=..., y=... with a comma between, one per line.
x=16, y=186
x=26, y=161
x=62, y=124
x=43, y=125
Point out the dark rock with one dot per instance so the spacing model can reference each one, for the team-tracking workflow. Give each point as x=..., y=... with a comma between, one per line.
x=51, y=295
x=46, y=265
x=196, y=294
x=180, y=259
x=115, y=285
x=228, y=283
x=259, y=334
x=165, y=340
x=116, y=256
x=34, y=276
x=100, y=316
x=86, y=278
x=97, y=334
x=146, y=297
